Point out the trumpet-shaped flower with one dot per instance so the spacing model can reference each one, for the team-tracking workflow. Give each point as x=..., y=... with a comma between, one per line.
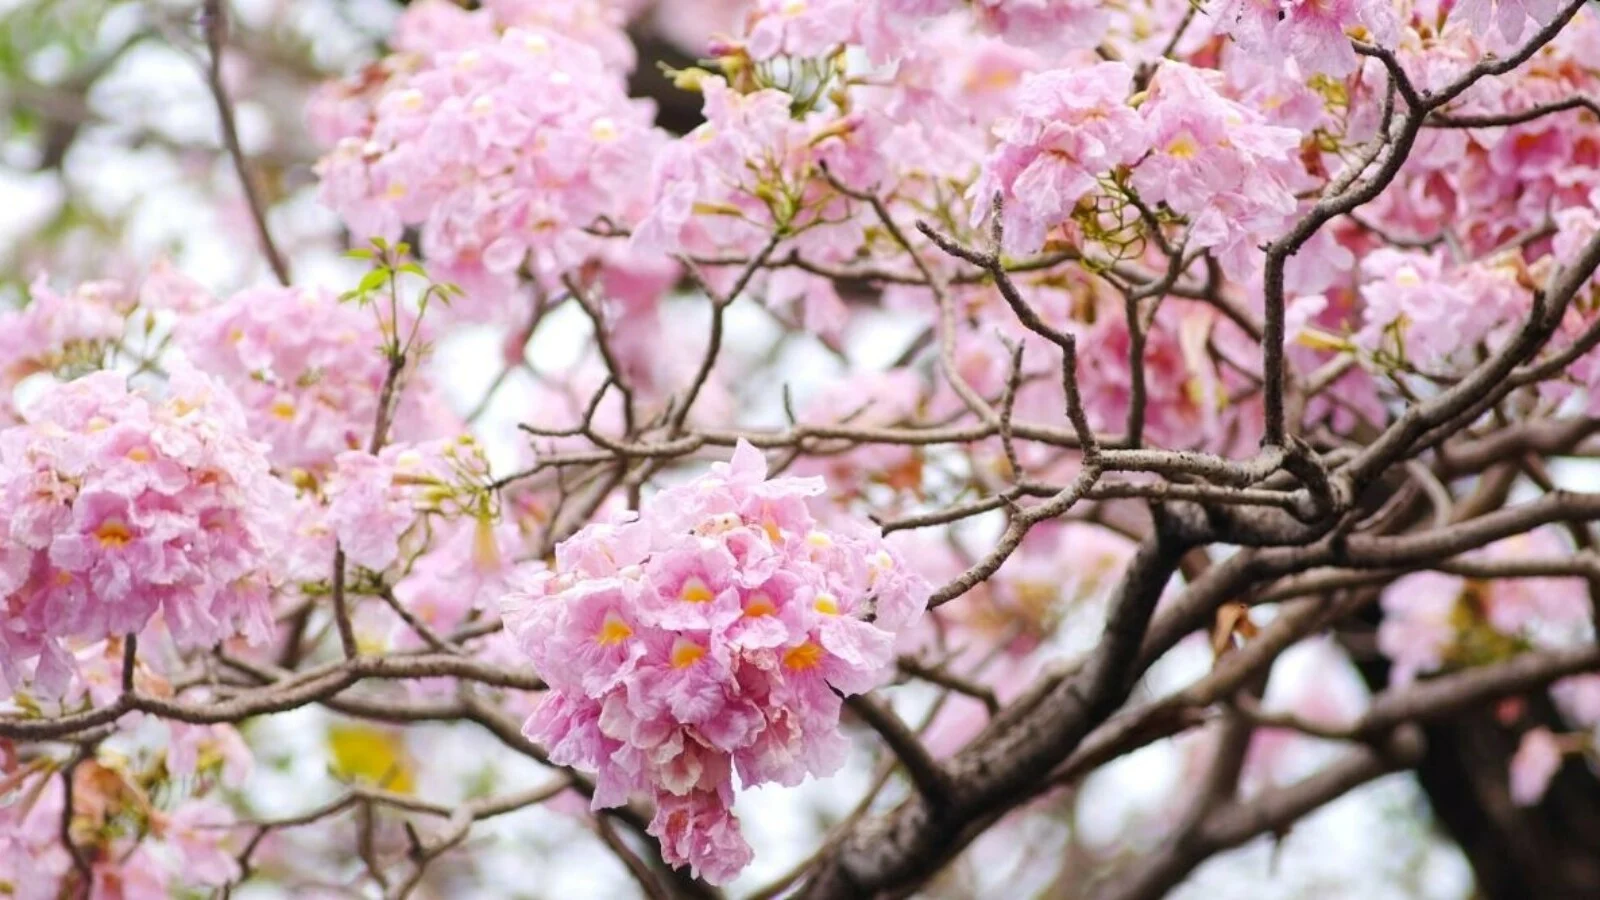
x=713, y=634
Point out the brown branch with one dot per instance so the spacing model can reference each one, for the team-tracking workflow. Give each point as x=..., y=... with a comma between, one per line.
x=930, y=779
x=216, y=31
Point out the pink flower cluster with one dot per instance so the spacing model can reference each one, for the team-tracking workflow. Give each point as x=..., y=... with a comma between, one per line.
x=803, y=27
x=142, y=840
x=1204, y=156
x=1219, y=163
x=714, y=634
x=1510, y=17
x=118, y=505
x=431, y=25
x=752, y=167
x=1312, y=32
x=56, y=332
x=1421, y=312
x=1058, y=24
x=1433, y=620
x=1071, y=127
x=503, y=149
x=374, y=499
x=306, y=368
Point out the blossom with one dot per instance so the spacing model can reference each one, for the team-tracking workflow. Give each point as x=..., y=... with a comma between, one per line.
x=1419, y=311
x=119, y=505
x=1058, y=24
x=137, y=850
x=1510, y=17
x=700, y=829
x=1418, y=623
x=1312, y=32
x=375, y=498
x=1071, y=127
x=197, y=830
x=467, y=568
x=801, y=27
x=750, y=168
x=503, y=148
x=1217, y=162
x=66, y=333
x=308, y=371
x=711, y=634
x=1536, y=761
x=1184, y=392
x=32, y=857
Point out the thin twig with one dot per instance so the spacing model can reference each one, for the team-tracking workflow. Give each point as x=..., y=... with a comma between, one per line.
x=216, y=30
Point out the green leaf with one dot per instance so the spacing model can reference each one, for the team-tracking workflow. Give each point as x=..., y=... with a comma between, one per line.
x=373, y=280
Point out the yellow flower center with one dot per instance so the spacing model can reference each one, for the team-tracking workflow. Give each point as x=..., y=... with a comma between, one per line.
x=827, y=604
x=805, y=656
x=613, y=631
x=114, y=533
x=686, y=653
x=760, y=605
x=1183, y=147
x=695, y=591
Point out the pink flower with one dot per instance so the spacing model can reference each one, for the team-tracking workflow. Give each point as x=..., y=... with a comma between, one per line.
x=1579, y=699
x=1575, y=227
x=308, y=371
x=1071, y=128
x=1536, y=761
x=468, y=567
x=32, y=858
x=187, y=742
x=165, y=287
x=375, y=499
x=1218, y=163
x=63, y=333
x=1417, y=626
x=1184, y=392
x=712, y=634
x=700, y=831
x=1509, y=16
x=1057, y=24
x=197, y=829
x=138, y=876
x=1312, y=32
x=1419, y=312
x=503, y=142
x=801, y=27
x=119, y=505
